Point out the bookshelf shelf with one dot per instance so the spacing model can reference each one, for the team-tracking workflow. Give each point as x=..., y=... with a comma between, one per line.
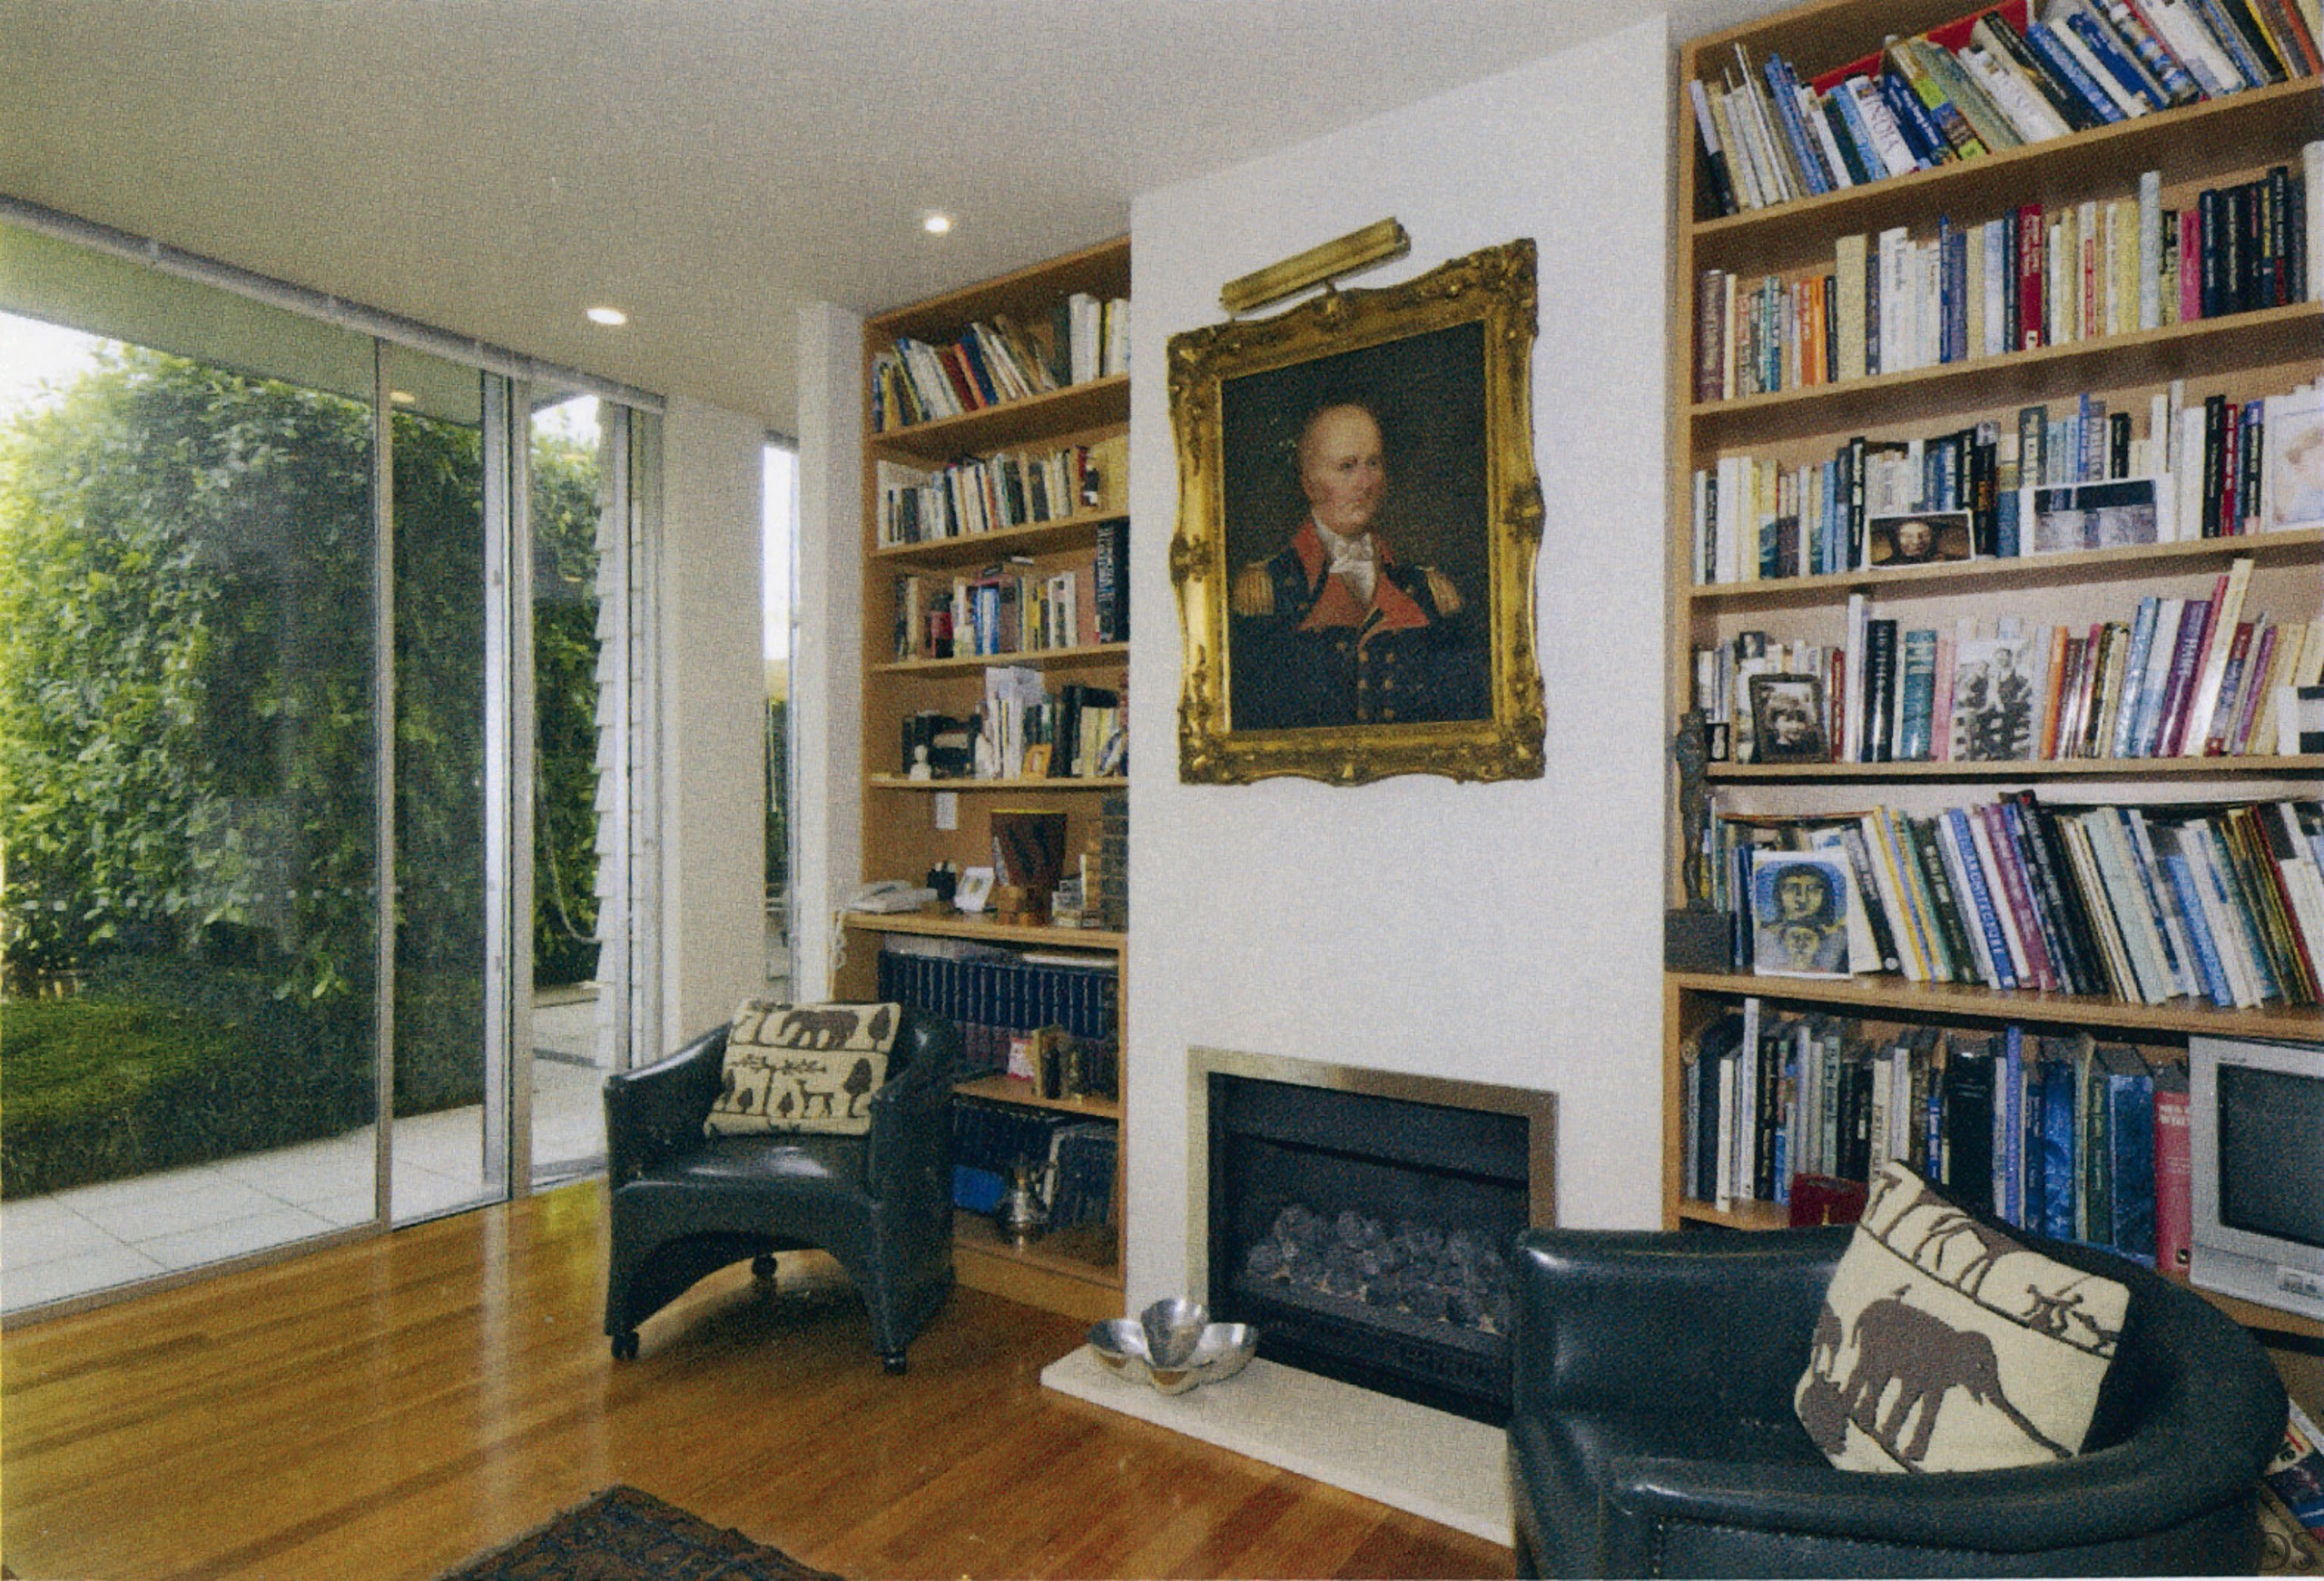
x=1074, y=1272
x=1018, y=1091
x=931, y=471
x=1037, y=659
x=1096, y=403
x=2238, y=341
x=1903, y=1000
x=1738, y=1216
x=2113, y=768
x=1013, y=786
x=977, y=549
x=2087, y=184
x=2136, y=562
x=2179, y=142
x=955, y=925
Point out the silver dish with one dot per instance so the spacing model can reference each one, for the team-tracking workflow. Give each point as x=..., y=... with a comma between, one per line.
x=1173, y=1346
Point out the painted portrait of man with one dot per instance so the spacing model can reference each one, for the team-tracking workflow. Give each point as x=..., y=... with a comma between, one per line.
x=1356, y=533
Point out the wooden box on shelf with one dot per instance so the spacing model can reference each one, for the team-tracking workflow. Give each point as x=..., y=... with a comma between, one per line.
x=1777, y=393
x=995, y=543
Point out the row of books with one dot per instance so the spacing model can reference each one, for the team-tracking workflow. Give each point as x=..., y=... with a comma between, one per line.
x=2217, y=468
x=999, y=360
x=1890, y=303
x=984, y=493
x=1011, y=608
x=2222, y=904
x=2183, y=678
x=1023, y=731
x=2060, y=1136
x=1014, y=607
x=991, y=993
x=2294, y=1481
x=1080, y=1156
x=1985, y=83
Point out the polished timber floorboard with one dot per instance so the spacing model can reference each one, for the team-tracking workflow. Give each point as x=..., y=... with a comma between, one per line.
x=386, y=1409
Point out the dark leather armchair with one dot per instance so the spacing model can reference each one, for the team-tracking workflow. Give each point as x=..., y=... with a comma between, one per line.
x=1653, y=1432
x=686, y=1205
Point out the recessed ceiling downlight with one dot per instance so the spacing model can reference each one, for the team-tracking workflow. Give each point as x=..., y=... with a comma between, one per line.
x=936, y=223
x=612, y=318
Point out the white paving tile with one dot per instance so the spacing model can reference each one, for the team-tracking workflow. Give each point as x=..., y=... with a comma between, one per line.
x=346, y=1210
x=39, y=1231
x=309, y=1173
x=216, y=1242
x=74, y=1275
x=196, y=1199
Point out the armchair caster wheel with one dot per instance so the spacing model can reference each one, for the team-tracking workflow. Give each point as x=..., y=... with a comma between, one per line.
x=893, y=1361
x=762, y=1266
x=625, y=1345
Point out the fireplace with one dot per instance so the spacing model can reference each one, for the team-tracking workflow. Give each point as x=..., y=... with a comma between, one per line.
x=1363, y=1219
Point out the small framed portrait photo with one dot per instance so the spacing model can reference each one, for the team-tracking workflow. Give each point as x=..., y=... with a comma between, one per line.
x=1788, y=719
x=1800, y=905
x=1917, y=538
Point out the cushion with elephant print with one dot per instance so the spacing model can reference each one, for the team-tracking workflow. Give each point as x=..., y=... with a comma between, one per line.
x=1943, y=1345
x=803, y=1067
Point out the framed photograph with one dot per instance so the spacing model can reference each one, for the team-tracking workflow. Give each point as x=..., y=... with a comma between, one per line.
x=1917, y=538
x=974, y=889
x=1358, y=521
x=1993, y=701
x=1788, y=718
x=1801, y=903
x=2291, y=471
x=2093, y=516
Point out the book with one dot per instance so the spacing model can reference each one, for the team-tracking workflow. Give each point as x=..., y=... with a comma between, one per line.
x=2129, y=1096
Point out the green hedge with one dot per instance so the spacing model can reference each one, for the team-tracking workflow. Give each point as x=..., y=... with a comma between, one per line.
x=103, y=1086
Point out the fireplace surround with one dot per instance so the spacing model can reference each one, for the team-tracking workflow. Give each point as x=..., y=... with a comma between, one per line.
x=1361, y=1218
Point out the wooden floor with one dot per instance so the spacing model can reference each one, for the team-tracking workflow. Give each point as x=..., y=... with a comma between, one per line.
x=387, y=1409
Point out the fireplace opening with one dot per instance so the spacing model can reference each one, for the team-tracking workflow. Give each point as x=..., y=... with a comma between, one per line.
x=1368, y=1236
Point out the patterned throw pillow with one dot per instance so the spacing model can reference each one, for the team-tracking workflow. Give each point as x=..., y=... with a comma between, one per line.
x=803, y=1067
x=1945, y=1346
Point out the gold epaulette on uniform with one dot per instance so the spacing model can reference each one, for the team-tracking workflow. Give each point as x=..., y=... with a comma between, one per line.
x=1253, y=591
x=1440, y=590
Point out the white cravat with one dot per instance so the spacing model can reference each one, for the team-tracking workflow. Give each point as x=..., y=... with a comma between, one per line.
x=1355, y=557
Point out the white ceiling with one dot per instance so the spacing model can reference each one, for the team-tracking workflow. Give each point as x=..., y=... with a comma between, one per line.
x=495, y=166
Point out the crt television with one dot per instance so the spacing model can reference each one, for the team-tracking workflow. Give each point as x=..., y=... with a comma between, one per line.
x=2256, y=1139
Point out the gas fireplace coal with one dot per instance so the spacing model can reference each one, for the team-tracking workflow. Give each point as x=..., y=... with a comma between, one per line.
x=1364, y=1226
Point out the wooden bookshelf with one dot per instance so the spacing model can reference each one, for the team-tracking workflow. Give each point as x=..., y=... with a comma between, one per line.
x=2078, y=568
x=941, y=924
x=988, y=786
x=2242, y=356
x=2250, y=766
x=1105, y=652
x=1077, y=1272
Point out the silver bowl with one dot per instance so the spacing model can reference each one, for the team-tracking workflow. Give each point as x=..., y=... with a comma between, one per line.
x=1124, y=1347
x=1173, y=1328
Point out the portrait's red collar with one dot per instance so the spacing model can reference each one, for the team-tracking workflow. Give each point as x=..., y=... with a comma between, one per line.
x=1393, y=608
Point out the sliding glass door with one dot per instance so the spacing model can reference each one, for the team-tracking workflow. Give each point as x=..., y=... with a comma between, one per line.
x=293, y=618
x=189, y=773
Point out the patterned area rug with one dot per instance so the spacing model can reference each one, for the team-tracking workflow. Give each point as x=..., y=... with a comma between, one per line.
x=622, y=1534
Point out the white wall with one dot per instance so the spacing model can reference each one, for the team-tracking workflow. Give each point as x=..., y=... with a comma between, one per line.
x=1504, y=933
x=713, y=760
x=827, y=672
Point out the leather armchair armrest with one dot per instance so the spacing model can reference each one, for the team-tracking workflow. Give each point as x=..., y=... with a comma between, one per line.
x=2093, y=1498
x=657, y=1110
x=911, y=1114
x=1619, y=1321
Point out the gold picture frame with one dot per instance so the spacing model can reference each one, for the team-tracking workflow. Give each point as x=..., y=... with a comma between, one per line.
x=1432, y=667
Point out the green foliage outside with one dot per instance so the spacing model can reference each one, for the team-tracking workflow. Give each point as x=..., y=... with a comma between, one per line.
x=186, y=760
x=778, y=796
x=159, y=1063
